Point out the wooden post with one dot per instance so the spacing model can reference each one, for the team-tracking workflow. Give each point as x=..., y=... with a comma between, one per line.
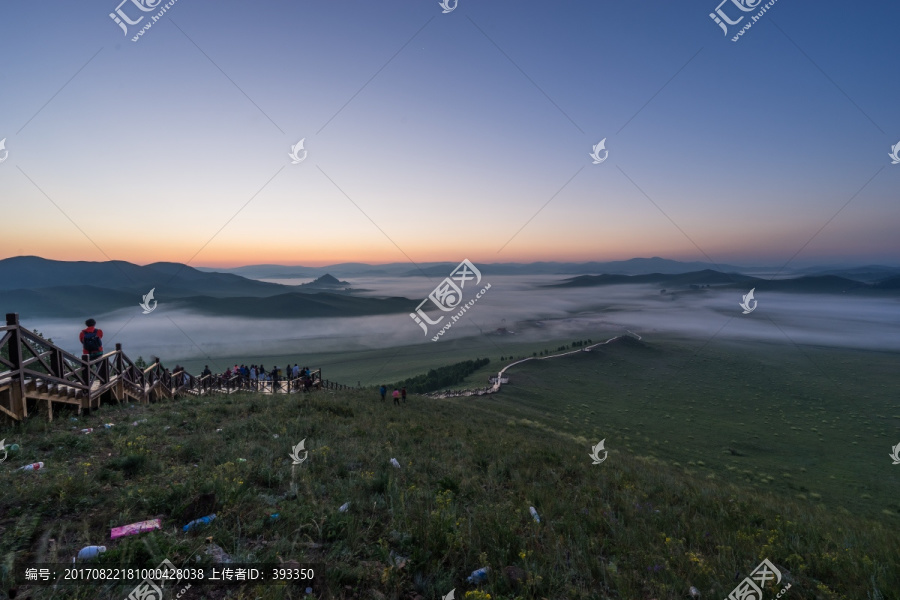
x=86, y=375
x=120, y=374
x=18, y=403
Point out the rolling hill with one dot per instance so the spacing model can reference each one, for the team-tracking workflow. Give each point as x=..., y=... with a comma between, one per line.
x=819, y=284
x=171, y=279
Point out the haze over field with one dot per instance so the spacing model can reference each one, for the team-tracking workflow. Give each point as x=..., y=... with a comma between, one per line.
x=521, y=304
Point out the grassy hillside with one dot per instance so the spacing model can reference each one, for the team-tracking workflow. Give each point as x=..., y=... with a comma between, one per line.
x=644, y=524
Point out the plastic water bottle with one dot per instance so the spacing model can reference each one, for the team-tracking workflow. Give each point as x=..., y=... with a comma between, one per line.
x=201, y=521
x=90, y=552
x=534, y=514
x=479, y=575
x=395, y=463
x=88, y=430
x=32, y=467
x=108, y=425
x=13, y=447
x=344, y=507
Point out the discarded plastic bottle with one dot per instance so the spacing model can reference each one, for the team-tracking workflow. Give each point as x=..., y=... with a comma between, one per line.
x=90, y=552
x=344, y=507
x=108, y=425
x=479, y=575
x=197, y=522
x=274, y=516
x=395, y=463
x=13, y=448
x=32, y=467
x=534, y=514
x=88, y=430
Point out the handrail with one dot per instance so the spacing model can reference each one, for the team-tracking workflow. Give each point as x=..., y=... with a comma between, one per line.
x=33, y=359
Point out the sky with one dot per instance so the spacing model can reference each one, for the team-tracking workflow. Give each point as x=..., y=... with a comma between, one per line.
x=432, y=136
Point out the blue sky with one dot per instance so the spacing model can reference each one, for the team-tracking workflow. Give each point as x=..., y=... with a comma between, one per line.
x=437, y=136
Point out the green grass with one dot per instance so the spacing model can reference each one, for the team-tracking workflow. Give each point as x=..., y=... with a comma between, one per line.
x=644, y=524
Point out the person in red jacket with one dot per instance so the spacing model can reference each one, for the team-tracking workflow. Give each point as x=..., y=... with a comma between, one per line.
x=91, y=340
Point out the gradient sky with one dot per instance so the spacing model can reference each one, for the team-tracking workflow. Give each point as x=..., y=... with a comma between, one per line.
x=441, y=136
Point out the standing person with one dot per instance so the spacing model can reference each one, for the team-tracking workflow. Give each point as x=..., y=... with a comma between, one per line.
x=383, y=391
x=396, y=396
x=253, y=377
x=403, y=394
x=91, y=340
x=206, y=376
x=274, y=378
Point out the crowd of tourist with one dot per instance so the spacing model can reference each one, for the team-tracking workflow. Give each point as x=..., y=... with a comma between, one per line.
x=258, y=377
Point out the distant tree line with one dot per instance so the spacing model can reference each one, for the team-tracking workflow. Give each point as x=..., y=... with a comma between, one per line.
x=575, y=344
x=443, y=377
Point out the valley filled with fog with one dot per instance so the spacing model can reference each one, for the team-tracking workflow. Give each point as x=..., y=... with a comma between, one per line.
x=520, y=304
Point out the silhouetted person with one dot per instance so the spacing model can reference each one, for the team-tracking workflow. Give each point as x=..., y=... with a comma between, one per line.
x=403, y=394
x=91, y=340
x=207, y=377
x=383, y=391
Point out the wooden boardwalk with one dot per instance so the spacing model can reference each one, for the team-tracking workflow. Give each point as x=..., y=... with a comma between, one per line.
x=36, y=375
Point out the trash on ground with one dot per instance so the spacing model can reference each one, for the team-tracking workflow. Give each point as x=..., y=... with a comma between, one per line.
x=534, y=514
x=32, y=467
x=217, y=553
x=90, y=552
x=479, y=575
x=197, y=522
x=135, y=528
x=399, y=561
x=395, y=463
x=344, y=507
x=88, y=430
x=108, y=425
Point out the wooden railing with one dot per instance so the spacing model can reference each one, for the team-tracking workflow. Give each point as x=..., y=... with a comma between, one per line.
x=34, y=369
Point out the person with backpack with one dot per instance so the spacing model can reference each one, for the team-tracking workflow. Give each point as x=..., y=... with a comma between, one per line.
x=396, y=396
x=91, y=340
x=383, y=391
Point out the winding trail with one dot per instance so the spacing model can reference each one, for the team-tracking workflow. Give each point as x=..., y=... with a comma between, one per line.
x=496, y=386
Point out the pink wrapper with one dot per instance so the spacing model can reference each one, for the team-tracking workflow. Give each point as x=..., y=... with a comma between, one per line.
x=134, y=528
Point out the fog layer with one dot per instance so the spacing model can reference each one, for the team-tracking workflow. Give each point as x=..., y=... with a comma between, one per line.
x=519, y=304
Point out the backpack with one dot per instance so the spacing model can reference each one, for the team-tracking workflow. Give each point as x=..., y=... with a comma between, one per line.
x=92, y=342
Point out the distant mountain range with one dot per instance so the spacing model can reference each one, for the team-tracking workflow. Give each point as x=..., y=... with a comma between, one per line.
x=50, y=288
x=634, y=266
x=813, y=284
x=80, y=289
x=442, y=269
